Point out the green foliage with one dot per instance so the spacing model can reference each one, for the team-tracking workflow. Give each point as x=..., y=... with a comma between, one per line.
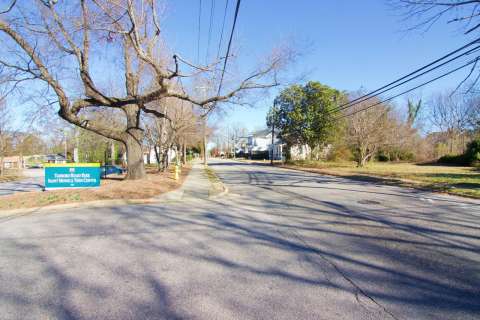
x=471, y=157
x=306, y=114
x=458, y=160
x=395, y=154
x=413, y=110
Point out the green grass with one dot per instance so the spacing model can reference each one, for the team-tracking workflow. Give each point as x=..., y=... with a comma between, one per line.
x=455, y=180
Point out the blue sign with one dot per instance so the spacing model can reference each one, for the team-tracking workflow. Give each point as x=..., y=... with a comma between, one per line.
x=72, y=175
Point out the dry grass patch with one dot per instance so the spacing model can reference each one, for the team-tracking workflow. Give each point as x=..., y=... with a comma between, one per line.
x=153, y=185
x=464, y=181
x=10, y=175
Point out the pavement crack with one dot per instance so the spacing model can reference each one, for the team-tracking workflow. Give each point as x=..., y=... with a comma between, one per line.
x=345, y=277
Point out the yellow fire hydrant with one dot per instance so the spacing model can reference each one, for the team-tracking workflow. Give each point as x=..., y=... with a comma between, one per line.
x=176, y=172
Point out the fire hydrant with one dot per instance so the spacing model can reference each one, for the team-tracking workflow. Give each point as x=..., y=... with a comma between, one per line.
x=176, y=172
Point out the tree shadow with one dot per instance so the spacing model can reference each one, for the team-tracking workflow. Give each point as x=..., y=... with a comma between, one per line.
x=255, y=255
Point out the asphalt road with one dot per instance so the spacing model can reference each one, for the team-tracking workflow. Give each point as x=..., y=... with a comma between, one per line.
x=33, y=181
x=282, y=245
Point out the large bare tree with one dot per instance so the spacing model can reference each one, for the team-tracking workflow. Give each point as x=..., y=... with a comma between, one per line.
x=425, y=13
x=70, y=46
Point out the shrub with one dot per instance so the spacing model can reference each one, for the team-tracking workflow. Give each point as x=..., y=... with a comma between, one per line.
x=340, y=153
x=472, y=155
x=451, y=159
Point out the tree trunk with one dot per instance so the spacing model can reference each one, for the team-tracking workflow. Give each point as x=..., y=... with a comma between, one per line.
x=165, y=159
x=112, y=150
x=133, y=139
x=135, y=165
x=184, y=153
x=1, y=166
x=157, y=156
x=204, y=141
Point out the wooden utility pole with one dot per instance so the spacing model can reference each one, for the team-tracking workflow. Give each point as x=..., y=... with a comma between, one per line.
x=273, y=141
x=205, y=140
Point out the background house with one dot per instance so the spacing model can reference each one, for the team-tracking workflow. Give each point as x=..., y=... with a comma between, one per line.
x=13, y=162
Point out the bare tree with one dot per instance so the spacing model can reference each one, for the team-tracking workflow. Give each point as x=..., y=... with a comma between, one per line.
x=60, y=42
x=452, y=115
x=428, y=12
x=4, y=133
x=368, y=130
x=181, y=129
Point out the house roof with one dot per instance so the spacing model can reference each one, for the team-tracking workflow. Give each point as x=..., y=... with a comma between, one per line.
x=261, y=133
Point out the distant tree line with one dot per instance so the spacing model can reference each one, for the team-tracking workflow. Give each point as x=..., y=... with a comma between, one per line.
x=310, y=114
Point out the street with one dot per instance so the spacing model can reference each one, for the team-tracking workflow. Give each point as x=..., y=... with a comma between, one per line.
x=282, y=244
x=33, y=181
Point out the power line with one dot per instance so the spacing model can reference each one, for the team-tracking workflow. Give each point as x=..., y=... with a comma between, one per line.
x=212, y=12
x=366, y=97
x=223, y=27
x=409, y=90
x=199, y=29
x=228, y=47
x=375, y=92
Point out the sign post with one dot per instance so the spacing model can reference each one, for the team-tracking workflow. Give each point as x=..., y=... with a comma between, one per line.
x=72, y=175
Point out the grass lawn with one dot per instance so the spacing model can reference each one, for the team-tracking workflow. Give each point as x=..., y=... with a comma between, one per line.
x=454, y=180
x=154, y=184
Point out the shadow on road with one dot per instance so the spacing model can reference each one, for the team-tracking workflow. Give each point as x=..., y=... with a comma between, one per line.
x=416, y=261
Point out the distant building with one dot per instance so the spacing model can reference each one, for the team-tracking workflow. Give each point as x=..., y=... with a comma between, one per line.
x=13, y=162
x=55, y=158
x=258, y=145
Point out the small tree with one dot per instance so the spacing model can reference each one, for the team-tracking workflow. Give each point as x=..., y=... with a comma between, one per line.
x=306, y=115
x=368, y=130
x=452, y=115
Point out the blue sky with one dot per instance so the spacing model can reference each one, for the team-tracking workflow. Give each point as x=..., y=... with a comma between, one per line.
x=351, y=44
x=354, y=44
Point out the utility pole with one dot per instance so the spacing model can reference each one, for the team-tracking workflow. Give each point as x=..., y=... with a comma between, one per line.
x=204, y=140
x=65, y=141
x=234, y=145
x=273, y=141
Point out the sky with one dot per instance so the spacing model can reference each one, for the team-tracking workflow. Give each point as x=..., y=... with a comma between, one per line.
x=347, y=44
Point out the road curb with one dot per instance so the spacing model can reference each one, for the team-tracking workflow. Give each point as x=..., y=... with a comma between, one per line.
x=170, y=196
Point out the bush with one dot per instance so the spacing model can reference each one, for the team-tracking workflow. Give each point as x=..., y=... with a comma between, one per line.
x=340, y=153
x=471, y=157
x=451, y=159
x=382, y=157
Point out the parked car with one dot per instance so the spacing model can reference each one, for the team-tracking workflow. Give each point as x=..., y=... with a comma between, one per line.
x=110, y=169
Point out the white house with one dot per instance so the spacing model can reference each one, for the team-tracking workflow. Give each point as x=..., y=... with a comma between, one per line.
x=150, y=157
x=259, y=145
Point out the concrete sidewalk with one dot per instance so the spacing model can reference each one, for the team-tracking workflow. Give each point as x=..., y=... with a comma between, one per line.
x=196, y=186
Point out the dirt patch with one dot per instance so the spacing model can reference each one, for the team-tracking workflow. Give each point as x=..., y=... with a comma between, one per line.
x=113, y=188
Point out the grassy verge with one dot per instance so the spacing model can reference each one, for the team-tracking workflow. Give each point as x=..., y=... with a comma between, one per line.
x=464, y=181
x=153, y=185
x=216, y=184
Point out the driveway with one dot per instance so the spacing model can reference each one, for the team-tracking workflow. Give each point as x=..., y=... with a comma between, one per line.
x=282, y=245
x=33, y=181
